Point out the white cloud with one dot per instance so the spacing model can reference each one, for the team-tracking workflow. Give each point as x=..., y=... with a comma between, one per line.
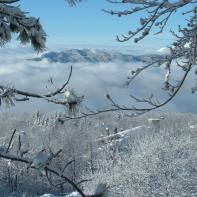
x=91, y=80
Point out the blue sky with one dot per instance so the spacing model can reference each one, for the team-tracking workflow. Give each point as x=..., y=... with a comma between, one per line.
x=86, y=24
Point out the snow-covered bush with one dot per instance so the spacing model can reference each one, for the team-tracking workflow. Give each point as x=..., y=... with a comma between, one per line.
x=161, y=164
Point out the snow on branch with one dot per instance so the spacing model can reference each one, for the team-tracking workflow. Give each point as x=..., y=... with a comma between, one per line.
x=14, y=20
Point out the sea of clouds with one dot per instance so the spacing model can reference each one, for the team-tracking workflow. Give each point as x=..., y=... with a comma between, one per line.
x=92, y=80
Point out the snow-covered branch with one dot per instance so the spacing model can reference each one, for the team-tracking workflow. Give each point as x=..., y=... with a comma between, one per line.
x=14, y=20
x=157, y=14
x=42, y=162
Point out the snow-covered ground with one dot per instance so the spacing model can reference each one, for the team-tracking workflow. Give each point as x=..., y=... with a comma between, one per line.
x=123, y=153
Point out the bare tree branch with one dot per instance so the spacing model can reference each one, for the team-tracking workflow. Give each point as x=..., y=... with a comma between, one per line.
x=11, y=139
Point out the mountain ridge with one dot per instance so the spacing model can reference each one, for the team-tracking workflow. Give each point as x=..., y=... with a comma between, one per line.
x=92, y=56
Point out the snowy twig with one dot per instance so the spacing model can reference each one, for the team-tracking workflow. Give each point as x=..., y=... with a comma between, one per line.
x=27, y=95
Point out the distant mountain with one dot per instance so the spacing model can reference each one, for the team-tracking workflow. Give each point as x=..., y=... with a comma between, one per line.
x=92, y=56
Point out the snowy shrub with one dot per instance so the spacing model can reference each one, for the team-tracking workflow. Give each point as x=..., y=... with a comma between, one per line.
x=161, y=164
